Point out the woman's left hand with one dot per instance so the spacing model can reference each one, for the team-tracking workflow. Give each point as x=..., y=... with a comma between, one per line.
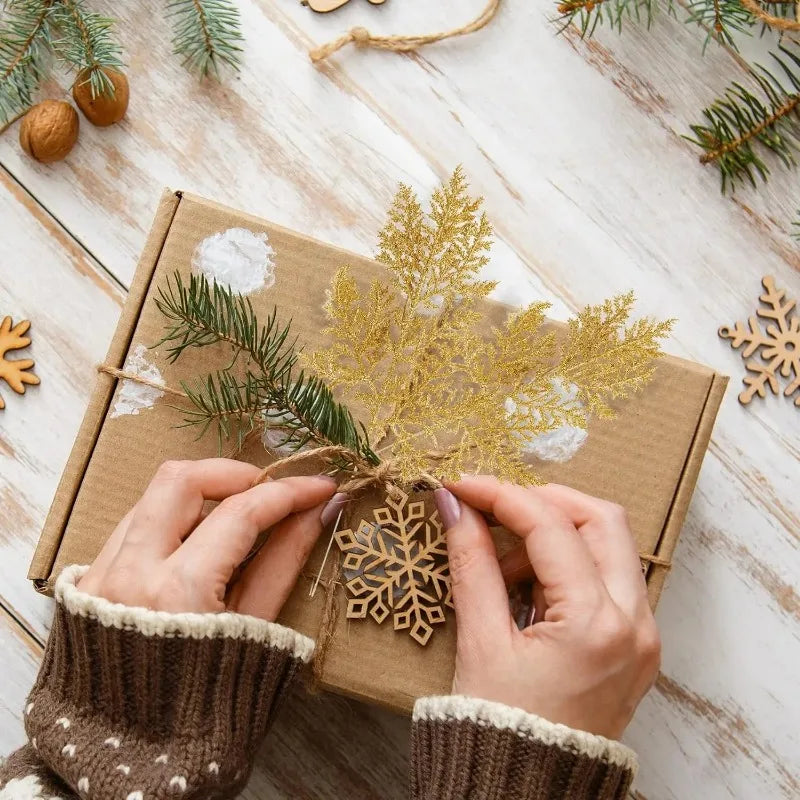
x=168, y=555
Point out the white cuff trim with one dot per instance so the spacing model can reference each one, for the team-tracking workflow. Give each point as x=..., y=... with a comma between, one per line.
x=189, y=625
x=526, y=725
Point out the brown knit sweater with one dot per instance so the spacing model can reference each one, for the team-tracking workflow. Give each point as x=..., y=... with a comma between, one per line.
x=133, y=704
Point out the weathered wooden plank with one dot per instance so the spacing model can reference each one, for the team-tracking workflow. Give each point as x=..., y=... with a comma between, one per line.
x=45, y=276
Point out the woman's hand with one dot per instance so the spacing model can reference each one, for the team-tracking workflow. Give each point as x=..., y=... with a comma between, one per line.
x=593, y=650
x=168, y=555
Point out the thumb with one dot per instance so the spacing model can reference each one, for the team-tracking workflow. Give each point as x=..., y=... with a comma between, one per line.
x=479, y=592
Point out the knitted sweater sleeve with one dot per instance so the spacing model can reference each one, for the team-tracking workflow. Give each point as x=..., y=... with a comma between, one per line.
x=463, y=748
x=134, y=704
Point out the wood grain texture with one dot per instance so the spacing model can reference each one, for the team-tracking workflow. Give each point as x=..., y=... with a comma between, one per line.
x=577, y=146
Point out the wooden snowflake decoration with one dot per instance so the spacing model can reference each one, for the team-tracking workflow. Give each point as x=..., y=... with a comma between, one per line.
x=778, y=346
x=15, y=371
x=398, y=562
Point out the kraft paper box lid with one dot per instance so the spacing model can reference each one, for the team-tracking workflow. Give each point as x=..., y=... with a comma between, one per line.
x=647, y=458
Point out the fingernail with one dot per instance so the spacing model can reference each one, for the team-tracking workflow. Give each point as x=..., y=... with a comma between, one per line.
x=448, y=506
x=332, y=508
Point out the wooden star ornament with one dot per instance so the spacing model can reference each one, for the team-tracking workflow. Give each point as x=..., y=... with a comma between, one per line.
x=15, y=372
x=777, y=346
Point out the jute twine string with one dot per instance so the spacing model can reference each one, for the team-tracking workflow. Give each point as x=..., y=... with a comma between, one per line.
x=361, y=37
x=779, y=23
x=365, y=476
x=132, y=376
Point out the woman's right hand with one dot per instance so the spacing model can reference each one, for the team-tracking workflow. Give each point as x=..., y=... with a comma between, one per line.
x=593, y=650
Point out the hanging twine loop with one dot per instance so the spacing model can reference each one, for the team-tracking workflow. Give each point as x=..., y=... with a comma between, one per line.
x=361, y=37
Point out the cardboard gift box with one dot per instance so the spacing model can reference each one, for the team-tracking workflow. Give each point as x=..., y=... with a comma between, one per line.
x=647, y=458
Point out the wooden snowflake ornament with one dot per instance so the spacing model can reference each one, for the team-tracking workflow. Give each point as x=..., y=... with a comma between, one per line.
x=398, y=564
x=778, y=346
x=15, y=372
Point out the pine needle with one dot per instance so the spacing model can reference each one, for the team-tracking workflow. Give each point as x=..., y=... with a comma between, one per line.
x=24, y=42
x=207, y=34
x=742, y=128
x=721, y=19
x=259, y=387
x=85, y=43
x=588, y=14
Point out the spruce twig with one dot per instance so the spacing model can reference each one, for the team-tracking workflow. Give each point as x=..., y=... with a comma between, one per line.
x=86, y=44
x=588, y=14
x=207, y=34
x=741, y=127
x=260, y=386
x=721, y=19
x=24, y=42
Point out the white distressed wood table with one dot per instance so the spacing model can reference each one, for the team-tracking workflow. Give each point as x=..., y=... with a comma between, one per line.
x=578, y=149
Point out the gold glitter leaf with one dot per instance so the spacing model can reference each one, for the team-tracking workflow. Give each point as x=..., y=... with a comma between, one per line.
x=438, y=397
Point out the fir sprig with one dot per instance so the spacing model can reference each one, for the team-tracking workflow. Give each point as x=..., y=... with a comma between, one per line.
x=86, y=43
x=207, y=34
x=588, y=14
x=24, y=42
x=260, y=386
x=741, y=128
x=721, y=19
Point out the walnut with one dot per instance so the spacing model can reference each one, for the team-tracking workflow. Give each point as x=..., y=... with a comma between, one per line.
x=49, y=130
x=104, y=109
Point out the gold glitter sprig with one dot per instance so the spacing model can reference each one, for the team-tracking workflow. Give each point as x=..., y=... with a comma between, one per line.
x=436, y=393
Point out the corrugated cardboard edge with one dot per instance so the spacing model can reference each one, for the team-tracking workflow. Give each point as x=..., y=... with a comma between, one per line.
x=70, y=482
x=657, y=573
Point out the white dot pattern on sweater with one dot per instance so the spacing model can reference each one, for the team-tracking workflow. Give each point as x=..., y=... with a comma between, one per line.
x=213, y=768
x=178, y=782
x=162, y=759
x=112, y=741
x=83, y=785
x=68, y=750
x=28, y=709
x=63, y=722
x=137, y=795
x=123, y=768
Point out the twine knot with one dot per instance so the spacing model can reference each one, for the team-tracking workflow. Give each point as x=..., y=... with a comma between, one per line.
x=360, y=36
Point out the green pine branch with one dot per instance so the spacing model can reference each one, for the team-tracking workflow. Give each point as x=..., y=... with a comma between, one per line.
x=588, y=14
x=259, y=387
x=86, y=44
x=721, y=19
x=743, y=128
x=207, y=34
x=24, y=44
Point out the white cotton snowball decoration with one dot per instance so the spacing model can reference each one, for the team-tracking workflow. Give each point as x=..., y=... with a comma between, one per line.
x=133, y=397
x=562, y=443
x=237, y=258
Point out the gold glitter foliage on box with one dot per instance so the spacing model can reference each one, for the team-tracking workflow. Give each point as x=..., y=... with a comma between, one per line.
x=439, y=397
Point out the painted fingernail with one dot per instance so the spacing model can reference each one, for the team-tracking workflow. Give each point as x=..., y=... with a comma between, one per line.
x=332, y=508
x=449, y=507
